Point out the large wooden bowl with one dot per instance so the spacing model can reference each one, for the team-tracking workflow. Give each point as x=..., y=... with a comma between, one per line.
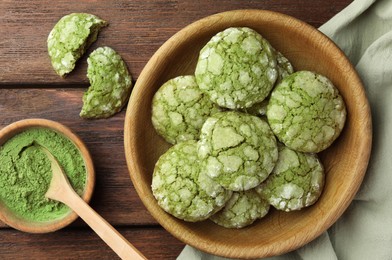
x=7, y=216
x=345, y=161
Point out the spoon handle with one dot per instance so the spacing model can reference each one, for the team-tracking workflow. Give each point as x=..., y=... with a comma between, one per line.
x=61, y=190
x=104, y=230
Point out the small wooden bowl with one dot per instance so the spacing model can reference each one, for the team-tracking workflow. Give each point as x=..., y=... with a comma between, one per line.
x=345, y=161
x=19, y=223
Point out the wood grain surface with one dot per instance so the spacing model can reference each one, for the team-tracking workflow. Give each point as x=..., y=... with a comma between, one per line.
x=83, y=243
x=29, y=88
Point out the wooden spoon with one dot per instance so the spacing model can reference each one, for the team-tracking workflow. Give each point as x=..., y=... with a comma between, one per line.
x=61, y=190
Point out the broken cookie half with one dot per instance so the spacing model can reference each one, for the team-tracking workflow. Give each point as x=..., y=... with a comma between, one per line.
x=110, y=84
x=70, y=38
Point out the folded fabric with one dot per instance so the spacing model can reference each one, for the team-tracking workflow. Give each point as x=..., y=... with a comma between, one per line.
x=363, y=30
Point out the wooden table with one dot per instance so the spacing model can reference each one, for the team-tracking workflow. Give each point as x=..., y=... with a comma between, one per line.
x=29, y=88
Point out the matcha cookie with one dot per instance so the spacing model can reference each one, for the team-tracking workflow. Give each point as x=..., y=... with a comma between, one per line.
x=296, y=181
x=179, y=109
x=70, y=38
x=238, y=150
x=242, y=209
x=258, y=109
x=175, y=185
x=237, y=68
x=284, y=67
x=306, y=112
x=110, y=84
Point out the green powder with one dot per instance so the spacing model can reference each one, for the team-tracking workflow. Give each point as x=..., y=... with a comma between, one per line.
x=25, y=173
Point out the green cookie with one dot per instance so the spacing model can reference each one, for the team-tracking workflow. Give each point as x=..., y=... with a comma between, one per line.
x=110, y=84
x=258, y=109
x=241, y=210
x=175, y=185
x=306, y=112
x=284, y=67
x=179, y=109
x=237, y=150
x=70, y=38
x=237, y=68
x=296, y=181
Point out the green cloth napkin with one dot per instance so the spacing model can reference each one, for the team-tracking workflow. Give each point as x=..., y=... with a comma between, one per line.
x=363, y=30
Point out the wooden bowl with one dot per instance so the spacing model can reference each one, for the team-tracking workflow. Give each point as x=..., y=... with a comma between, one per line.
x=22, y=224
x=345, y=161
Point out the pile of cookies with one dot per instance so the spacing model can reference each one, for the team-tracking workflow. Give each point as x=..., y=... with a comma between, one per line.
x=246, y=130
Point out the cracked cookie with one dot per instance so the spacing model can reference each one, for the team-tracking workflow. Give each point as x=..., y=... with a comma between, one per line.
x=237, y=68
x=110, y=84
x=241, y=210
x=237, y=150
x=258, y=109
x=306, y=112
x=180, y=108
x=69, y=39
x=284, y=67
x=175, y=185
x=296, y=181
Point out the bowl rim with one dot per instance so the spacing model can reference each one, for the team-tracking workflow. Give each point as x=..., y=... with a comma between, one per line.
x=130, y=138
x=17, y=127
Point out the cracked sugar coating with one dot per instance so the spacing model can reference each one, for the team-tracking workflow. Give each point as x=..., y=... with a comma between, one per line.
x=237, y=68
x=70, y=38
x=176, y=188
x=238, y=150
x=258, y=109
x=284, y=67
x=296, y=181
x=241, y=210
x=180, y=108
x=110, y=84
x=306, y=112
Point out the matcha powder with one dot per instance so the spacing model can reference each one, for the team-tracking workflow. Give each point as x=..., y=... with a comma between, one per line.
x=25, y=173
